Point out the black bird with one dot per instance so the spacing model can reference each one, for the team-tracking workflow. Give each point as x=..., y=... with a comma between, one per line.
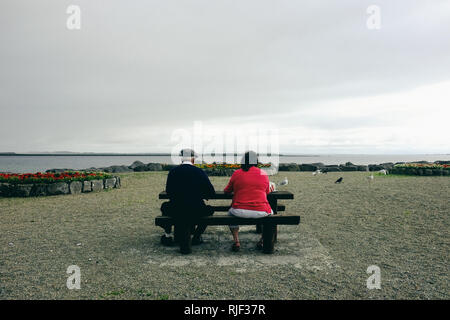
x=339, y=180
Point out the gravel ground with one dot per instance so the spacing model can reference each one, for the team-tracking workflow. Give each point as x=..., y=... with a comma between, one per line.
x=400, y=224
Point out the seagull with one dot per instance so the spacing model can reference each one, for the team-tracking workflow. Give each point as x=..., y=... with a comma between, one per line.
x=317, y=172
x=284, y=182
x=370, y=178
x=383, y=171
x=339, y=180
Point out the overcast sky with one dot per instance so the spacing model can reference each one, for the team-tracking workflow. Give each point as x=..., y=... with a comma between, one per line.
x=312, y=71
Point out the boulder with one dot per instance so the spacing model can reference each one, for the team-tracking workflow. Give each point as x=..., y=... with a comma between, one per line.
x=140, y=168
x=318, y=164
x=136, y=164
x=362, y=168
x=4, y=189
x=168, y=167
x=110, y=183
x=331, y=169
x=58, y=188
x=307, y=167
x=117, y=169
x=288, y=167
x=97, y=185
x=20, y=190
x=348, y=167
x=375, y=167
x=387, y=165
x=39, y=189
x=154, y=167
x=75, y=187
x=58, y=170
x=118, y=182
x=87, y=186
x=442, y=162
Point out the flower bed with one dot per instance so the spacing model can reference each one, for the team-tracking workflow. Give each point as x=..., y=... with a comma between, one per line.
x=421, y=169
x=44, y=184
x=38, y=177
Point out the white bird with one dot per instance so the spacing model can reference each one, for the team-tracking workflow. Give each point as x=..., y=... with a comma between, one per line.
x=284, y=182
x=370, y=178
x=383, y=171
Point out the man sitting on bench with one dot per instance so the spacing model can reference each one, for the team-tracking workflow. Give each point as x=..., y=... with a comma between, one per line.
x=186, y=187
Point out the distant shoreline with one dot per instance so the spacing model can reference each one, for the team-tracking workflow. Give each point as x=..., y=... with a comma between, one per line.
x=81, y=154
x=125, y=154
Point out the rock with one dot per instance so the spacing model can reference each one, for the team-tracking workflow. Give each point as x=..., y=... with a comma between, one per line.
x=442, y=162
x=39, y=189
x=140, y=168
x=168, y=167
x=446, y=172
x=438, y=172
x=136, y=164
x=349, y=164
x=97, y=185
x=110, y=183
x=4, y=189
x=318, y=164
x=387, y=165
x=75, y=187
x=154, y=167
x=308, y=167
x=118, y=182
x=87, y=187
x=21, y=190
x=58, y=170
x=117, y=169
x=331, y=169
x=58, y=188
x=375, y=167
x=348, y=167
x=288, y=167
x=362, y=168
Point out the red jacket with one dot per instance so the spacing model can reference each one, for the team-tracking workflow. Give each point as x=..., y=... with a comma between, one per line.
x=250, y=189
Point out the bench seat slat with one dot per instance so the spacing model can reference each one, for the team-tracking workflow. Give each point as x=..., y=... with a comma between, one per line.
x=223, y=195
x=227, y=220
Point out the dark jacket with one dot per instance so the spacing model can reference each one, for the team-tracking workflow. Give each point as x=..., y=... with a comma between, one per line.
x=187, y=186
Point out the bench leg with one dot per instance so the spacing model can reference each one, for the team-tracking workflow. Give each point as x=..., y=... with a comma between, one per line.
x=184, y=237
x=176, y=234
x=259, y=228
x=268, y=237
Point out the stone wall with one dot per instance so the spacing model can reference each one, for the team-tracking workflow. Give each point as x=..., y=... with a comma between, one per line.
x=49, y=189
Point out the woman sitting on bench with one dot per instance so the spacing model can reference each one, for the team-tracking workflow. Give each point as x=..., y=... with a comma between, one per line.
x=250, y=186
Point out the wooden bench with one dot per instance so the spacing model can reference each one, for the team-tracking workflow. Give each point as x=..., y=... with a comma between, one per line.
x=267, y=225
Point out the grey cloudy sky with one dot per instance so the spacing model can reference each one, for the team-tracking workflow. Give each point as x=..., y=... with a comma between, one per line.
x=137, y=71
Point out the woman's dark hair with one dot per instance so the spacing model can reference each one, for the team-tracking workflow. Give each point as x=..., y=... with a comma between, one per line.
x=250, y=159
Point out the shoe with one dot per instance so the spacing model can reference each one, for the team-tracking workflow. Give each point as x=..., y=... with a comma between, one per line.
x=197, y=240
x=236, y=247
x=167, y=241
